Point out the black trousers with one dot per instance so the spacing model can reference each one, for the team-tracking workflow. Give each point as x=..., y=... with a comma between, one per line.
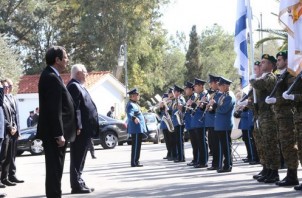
x=215, y=147
x=211, y=138
x=194, y=143
x=6, y=156
x=168, y=138
x=78, y=153
x=54, y=161
x=248, y=139
x=91, y=147
x=179, y=142
x=202, y=145
x=225, y=149
x=12, y=166
x=136, y=148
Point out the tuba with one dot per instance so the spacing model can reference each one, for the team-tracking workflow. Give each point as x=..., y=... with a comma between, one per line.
x=167, y=118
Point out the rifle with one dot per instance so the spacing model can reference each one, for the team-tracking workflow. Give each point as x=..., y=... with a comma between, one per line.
x=279, y=81
x=246, y=96
x=290, y=89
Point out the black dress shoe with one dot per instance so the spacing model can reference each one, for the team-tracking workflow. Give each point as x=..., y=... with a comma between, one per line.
x=16, y=180
x=80, y=191
x=2, y=195
x=93, y=157
x=191, y=164
x=212, y=168
x=165, y=157
x=224, y=170
x=8, y=183
x=177, y=160
x=287, y=182
x=245, y=160
x=137, y=165
x=201, y=166
x=299, y=187
x=254, y=162
x=2, y=185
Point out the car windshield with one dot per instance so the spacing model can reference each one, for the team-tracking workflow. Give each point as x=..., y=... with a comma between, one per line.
x=149, y=118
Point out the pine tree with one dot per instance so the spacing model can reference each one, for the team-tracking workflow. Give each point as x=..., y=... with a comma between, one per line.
x=192, y=64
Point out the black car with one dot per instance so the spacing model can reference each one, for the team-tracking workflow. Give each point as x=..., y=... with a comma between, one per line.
x=111, y=132
x=154, y=133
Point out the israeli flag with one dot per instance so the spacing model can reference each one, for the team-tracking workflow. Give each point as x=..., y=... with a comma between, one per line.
x=240, y=45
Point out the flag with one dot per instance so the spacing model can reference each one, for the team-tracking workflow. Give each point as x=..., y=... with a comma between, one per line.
x=290, y=17
x=240, y=44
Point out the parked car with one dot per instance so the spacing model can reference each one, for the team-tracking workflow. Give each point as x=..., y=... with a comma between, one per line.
x=154, y=133
x=111, y=132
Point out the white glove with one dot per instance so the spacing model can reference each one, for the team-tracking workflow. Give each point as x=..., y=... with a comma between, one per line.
x=271, y=100
x=288, y=97
x=243, y=103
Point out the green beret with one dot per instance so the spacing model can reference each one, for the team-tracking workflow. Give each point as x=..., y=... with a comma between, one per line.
x=283, y=54
x=257, y=63
x=269, y=57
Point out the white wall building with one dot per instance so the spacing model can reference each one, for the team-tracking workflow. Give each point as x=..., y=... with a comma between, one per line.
x=104, y=88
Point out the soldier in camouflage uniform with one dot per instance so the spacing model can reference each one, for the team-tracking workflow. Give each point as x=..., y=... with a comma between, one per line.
x=285, y=123
x=296, y=96
x=266, y=120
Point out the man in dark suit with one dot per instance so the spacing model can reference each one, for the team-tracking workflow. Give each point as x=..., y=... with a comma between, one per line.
x=57, y=123
x=87, y=127
x=15, y=115
x=10, y=130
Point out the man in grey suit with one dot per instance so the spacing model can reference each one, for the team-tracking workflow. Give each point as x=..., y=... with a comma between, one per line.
x=87, y=127
x=57, y=123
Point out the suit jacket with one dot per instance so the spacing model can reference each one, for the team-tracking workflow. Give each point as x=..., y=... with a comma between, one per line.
x=86, y=112
x=8, y=119
x=15, y=113
x=1, y=114
x=57, y=115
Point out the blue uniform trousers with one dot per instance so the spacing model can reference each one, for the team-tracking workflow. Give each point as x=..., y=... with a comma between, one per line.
x=136, y=148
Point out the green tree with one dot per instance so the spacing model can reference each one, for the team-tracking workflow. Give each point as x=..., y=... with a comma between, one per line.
x=10, y=66
x=193, y=66
x=217, y=54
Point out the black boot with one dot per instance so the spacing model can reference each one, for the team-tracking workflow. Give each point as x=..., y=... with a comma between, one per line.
x=273, y=177
x=291, y=178
x=299, y=187
x=264, y=176
x=261, y=173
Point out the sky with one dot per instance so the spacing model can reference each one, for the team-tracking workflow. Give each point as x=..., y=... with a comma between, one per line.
x=181, y=15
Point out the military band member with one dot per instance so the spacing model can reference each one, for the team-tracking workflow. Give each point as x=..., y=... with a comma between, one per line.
x=189, y=93
x=266, y=121
x=198, y=124
x=209, y=121
x=177, y=119
x=285, y=123
x=246, y=124
x=163, y=112
x=223, y=124
x=136, y=126
x=296, y=96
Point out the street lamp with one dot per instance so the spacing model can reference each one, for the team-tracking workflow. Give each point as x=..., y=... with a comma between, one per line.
x=122, y=62
x=260, y=30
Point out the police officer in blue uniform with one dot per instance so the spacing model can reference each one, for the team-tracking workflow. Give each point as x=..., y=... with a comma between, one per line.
x=177, y=119
x=189, y=92
x=209, y=121
x=136, y=126
x=224, y=123
x=198, y=124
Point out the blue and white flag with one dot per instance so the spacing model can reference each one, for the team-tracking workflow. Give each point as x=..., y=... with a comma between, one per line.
x=240, y=45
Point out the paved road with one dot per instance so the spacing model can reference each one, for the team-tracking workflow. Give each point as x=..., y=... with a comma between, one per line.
x=111, y=175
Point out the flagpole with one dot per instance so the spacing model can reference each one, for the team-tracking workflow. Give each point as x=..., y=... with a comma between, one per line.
x=249, y=16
